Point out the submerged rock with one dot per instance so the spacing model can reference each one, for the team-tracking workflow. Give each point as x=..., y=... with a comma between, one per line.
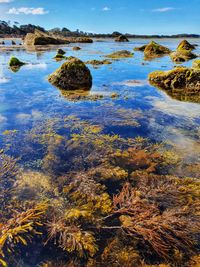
x=72, y=75
x=185, y=45
x=121, y=38
x=76, y=48
x=15, y=62
x=42, y=38
x=98, y=62
x=60, y=51
x=120, y=54
x=154, y=50
x=179, y=82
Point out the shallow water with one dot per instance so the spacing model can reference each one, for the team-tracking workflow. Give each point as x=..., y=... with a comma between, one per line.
x=27, y=98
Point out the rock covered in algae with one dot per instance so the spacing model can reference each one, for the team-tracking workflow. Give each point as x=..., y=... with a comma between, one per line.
x=182, y=55
x=59, y=57
x=76, y=48
x=98, y=62
x=15, y=62
x=179, y=80
x=154, y=50
x=72, y=75
x=183, y=52
x=121, y=38
x=185, y=45
x=120, y=54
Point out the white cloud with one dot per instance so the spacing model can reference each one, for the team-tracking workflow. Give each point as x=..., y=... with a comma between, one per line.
x=106, y=8
x=5, y=1
x=163, y=9
x=27, y=11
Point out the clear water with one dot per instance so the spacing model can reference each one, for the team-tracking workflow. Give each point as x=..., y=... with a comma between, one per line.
x=27, y=98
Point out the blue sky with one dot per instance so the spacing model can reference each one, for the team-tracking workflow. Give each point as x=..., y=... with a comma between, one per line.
x=139, y=17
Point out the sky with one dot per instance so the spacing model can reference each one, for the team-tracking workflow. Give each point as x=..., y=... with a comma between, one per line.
x=106, y=16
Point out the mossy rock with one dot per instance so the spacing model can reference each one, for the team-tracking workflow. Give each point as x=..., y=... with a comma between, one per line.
x=98, y=62
x=185, y=45
x=120, y=54
x=76, y=48
x=72, y=75
x=154, y=50
x=15, y=62
x=59, y=57
x=196, y=64
x=61, y=52
x=140, y=48
x=180, y=82
x=121, y=38
x=182, y=55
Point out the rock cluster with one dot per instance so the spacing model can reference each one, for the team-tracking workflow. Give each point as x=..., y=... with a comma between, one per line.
x=180, y=80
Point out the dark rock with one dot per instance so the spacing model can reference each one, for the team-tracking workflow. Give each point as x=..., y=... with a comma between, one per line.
x=76, y=48
x=140, y=48
x=72, y=75
x=59, y=57
x=61, y=51
x=121, y=38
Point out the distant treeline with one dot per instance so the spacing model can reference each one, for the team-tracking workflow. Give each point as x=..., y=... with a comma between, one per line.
x=16, y=30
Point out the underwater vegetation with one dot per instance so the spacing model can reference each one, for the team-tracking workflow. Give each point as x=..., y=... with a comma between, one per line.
x=94, y=199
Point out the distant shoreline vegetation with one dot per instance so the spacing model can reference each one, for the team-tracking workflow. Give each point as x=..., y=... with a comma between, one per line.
x=16, y=30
